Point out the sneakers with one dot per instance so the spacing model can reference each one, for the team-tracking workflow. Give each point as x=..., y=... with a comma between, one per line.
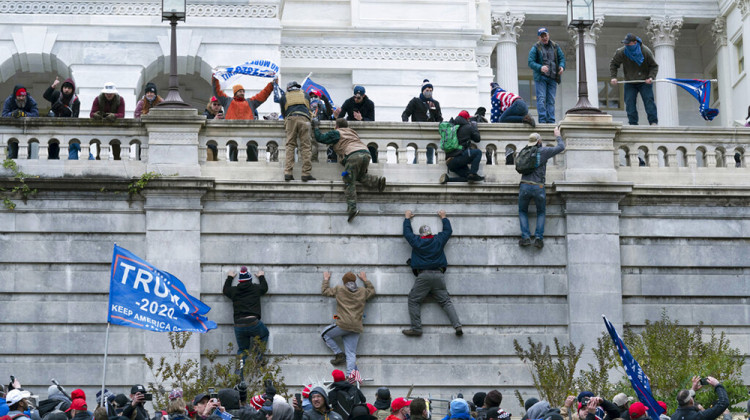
x=411, y=332
x=306, y=178
x=339, y=359
x=352, y=215
x=475, y=178
x=289, y=177
x=459, y=331
x=539, y=243
x=527, y=119
x=381, y=184
x=524, y=242
x=444, y=178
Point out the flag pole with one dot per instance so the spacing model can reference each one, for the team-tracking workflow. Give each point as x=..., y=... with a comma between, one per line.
x=104, y=368
x=655, y=80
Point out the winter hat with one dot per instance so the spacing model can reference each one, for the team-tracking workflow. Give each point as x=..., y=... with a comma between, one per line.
x=425, y=230
x=77, y=393
x=530, y=403
x=383, y=393
x=338, y=375
x=109, y=87
x=359, y=90
x=108, y=396
x=244, y=275
x=479, y=399
x=122, y=400
x=426, y=84
x=306, y=391
x=21, y=91
x=175, y=394
x=533, y=140
x=621, y=399
x=637, y=410
x=481, y=111
x=464, y=114
x=349, y=277
x=583, y=394
x=150, y=87
x=235, y=88
x=500, y=414
x=493, y=86
x=493, y=399
x=78, y=404
x=257, y=402
x=459, y=406
x=399, y=403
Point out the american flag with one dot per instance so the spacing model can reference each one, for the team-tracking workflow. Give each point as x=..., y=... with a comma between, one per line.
x=354, y=376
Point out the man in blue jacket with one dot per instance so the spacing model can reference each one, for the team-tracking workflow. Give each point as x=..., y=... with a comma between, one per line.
x=547, y=61
x=429, y=263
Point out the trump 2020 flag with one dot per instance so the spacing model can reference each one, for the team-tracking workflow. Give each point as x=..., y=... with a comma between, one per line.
x=701, y=90
x=257, y=68
x=638, y=380
x=309, y=85
x=142, y=296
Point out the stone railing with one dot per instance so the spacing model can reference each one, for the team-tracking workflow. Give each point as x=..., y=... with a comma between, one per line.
x=407, y=152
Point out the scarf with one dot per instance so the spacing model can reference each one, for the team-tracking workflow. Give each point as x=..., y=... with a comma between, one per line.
x=634, y=53
x=351, y=286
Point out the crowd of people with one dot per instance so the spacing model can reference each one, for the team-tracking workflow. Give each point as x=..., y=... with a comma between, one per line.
x=341, y=399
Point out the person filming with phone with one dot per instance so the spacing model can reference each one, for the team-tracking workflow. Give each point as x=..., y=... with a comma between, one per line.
x=136, y=410
x=689, y=410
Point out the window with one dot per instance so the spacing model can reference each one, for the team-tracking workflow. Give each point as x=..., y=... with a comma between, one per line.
x=740, y=56
x=526, y=90
x=610, y=97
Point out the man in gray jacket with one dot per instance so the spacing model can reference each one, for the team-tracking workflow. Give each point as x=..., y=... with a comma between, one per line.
x=638, y=63
x=532, y=187
x=320, y=411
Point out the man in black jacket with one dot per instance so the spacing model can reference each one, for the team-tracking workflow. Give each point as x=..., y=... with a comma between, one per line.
x=357, y=108
x=688, y=410
x=137, y=399
x=464, y=161
x=423, y=108
x=246, y=302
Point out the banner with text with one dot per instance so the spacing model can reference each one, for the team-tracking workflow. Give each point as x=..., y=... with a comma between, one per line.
x=142, y=296
x=257, y=68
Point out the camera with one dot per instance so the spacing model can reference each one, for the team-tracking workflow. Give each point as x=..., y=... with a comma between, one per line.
x=148, y=397
x=585, y=401
x=704, y=381
x=212, y=393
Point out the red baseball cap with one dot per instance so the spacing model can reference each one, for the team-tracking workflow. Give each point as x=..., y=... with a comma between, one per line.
x=77, y=393
x=77, y=404
x=637, y=410
x=464, y=114
x=662, y=404
x=399, y=403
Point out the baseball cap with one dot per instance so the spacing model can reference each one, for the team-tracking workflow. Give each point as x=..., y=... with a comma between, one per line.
x=637, y=410
x=629, y=38
x=137, y=388
x=621, y=399
x=399, y=403
x=199, y=397
x=77, y=404
x=15, y=395
x=541, y=31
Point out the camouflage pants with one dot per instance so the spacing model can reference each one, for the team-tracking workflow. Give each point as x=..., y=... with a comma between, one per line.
x=356, y=170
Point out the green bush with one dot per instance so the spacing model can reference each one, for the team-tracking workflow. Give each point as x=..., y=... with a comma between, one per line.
x=552, y=375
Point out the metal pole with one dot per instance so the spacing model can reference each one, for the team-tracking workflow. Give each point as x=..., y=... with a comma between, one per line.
x=583, y=106
x=104, y=368
x=173, y=99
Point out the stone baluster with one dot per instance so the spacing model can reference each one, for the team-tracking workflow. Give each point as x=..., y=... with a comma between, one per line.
x=711, y=159
x=43, y=151
x=692, y=161
x=672, y=159
x=590, y=37
x=633, y=158
x=402, y=157
x=23, y=148
x=242, y=152
x=421, y=156
x=664, y=32
x=508, y=28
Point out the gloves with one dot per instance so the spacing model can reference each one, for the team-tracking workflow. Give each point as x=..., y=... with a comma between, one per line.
x=97, y=115
x=110, y=117
x=270, y=389
x=315, y=123
x=18, y=114
x=242, y=389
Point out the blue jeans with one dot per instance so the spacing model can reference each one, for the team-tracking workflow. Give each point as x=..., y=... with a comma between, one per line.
x=515, y=112
x=526, y=193
x=245, y=336
x=460, y=164
x=350, y=340
x=546, y=89
x=647, y=95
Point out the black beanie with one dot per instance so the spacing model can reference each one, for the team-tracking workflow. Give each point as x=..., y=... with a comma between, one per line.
x=530, y=402
x=478, y=399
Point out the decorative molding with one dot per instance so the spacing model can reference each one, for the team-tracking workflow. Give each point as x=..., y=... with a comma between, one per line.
x=590, y=35
x=719, y=31
x=483, y=60
x=508, y=26
x=377, y=53
x=590, y=144
x=262, y=11
x=664, y=31
x=744, y=6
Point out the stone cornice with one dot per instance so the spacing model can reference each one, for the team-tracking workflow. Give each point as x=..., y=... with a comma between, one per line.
x=664, y=31
x=590, y=35
x=508, y=26
x=719, y=31
x=262, y=11
x=377, y=53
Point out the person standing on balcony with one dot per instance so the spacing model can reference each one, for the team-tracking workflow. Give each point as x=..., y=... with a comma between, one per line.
x=547, y=60
x=65, y=103
x=20, y=104
x=532, y=188
x=237, y=107
x=637, y=63
x=109, y=105
x=423, y=108
x=295, y=104
x=355, y=157
x=357, y=108
x=149, y=100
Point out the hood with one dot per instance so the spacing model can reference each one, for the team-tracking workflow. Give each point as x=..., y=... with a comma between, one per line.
x=460, y=120
x=71, y=83
x=342, y=385
x=16, y=87
x=320, y=391
x=282, y=411
x=536, y=410
x=230, y=399
x=386, y=404
x=459, y=406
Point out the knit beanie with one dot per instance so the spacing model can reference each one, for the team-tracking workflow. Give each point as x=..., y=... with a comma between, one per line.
x=530, y=403
x=493, y=399
x=338, y=375
x=244, y=275
x=150, y=87
x=348, y=278
x=257, y=402
x=464, y=114
x=235, y=88
x=478, y=399
x=426, y=84
x=493, y=86
x=459, y=406
x=306, y=391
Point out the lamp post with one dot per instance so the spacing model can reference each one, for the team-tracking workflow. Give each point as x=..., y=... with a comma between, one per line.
x=581, y=15
x=173, y=11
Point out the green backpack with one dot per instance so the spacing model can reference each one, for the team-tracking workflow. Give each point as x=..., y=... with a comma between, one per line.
x=449, y=137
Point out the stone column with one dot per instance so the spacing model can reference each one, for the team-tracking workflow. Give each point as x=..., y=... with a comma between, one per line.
x=590, y=36
x=173, y=141
x=508, y=28
x=723, y=70
x=744, y=6
x=664, y=32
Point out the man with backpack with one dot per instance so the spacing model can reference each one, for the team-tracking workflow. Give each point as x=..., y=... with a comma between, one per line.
x=344, y=396
x=531, y=163
x=455, y=139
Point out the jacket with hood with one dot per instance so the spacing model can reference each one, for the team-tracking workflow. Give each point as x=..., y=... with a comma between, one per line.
x=282, y=411
x=350, y=306
x=648, y=69
x=467, y=132
x=541, y=410
x=315, y=414
x=230, y=400
x=419, y=112
x=10, y=104
x=459, y=409
x=340, y=390
x=55, y=401
x=115, y=106
x=245, y=297
x=63, y=106
x=427, y=253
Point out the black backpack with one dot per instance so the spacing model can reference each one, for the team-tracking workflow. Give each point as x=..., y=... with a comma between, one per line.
x=345, y=401
x=528, y=160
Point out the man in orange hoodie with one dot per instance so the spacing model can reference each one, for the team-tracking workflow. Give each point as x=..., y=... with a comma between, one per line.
x=237, y=107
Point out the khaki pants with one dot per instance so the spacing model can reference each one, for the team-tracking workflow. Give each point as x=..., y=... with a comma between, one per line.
x=297, y=127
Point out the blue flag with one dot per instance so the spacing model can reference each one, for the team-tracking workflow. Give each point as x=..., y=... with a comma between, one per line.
x=142, y=296
x=309, y=85
x=638, y=380
x=701, y=90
